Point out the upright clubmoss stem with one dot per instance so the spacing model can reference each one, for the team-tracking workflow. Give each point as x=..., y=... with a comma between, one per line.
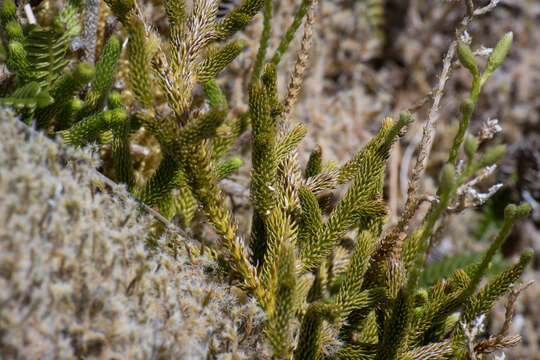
x=289, y=35
x=263, y=45
x=466, y=109
x=214, y=94
x=511, y=214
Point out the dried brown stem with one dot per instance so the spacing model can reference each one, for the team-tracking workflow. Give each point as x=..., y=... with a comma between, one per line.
x=89, y=31
x=509, y=308
x=301, y=63
x=428, y=134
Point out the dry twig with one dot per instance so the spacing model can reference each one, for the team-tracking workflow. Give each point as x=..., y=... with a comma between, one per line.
x=413, y=198
x=301, y=63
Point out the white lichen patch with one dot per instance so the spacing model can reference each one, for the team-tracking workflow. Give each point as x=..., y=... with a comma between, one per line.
x=77, y=281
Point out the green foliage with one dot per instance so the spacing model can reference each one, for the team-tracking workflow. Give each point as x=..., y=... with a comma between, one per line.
x=38, y=57
x=229, y=166
x=17, y=60
x=63, y=90
x=265, y=38
x=238, y=18
x=8, y=12
x=39, y=53
x=467, y=59
x=176, y=11
x=66, y=116
x=121, y=8
x=263, y=159
x=14, y=31
x=89, y=129
x=213, y=93
x=158, y=187
x=309, y=345
x=51, y=95
x=140, y=53
x=121, y=127
x=216, y=60
x=279, y=324
x=29, y=97
x=289, y=34
x=69, y=16
x=314, y=165
x=46, y=53
x=105, y=73
x=483, y=301
x=498, y=55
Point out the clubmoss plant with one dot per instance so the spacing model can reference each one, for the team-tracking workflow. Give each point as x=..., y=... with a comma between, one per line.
x=335, y=282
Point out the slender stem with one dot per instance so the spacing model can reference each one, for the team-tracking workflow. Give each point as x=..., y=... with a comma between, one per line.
x=89, y=32
x=289, y=35
x=265, y=37
x=465, y=119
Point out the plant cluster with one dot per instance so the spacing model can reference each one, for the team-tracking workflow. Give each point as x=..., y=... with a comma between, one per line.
x=331, y=280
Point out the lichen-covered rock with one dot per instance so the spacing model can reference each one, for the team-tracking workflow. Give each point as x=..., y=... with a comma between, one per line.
x=76, y=280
